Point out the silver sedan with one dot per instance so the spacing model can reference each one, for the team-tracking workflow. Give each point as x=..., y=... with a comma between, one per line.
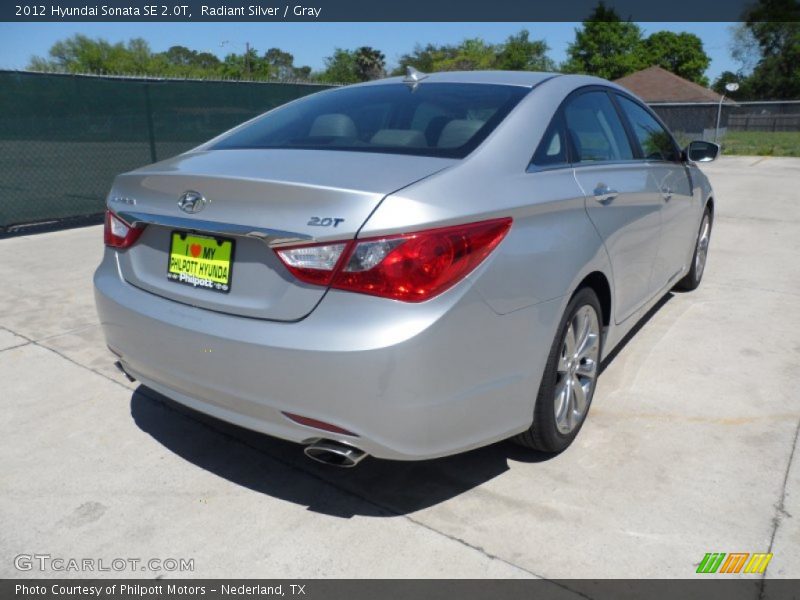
x=407, y=268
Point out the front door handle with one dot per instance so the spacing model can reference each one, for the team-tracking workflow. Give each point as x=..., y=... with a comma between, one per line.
x=604, y=194
x=667, y=193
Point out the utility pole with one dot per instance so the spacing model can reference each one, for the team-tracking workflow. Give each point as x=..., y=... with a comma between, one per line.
x=729, y=87
x=247, y=65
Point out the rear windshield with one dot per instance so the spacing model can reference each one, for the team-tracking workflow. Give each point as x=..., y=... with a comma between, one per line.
x=433, y=119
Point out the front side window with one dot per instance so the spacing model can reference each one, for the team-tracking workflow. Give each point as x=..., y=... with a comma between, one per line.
x=656, y=142
x=594, y=129
x=432, y=119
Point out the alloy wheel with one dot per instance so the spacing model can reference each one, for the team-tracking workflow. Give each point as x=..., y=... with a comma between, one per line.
x=576, y=369
x=702, y=247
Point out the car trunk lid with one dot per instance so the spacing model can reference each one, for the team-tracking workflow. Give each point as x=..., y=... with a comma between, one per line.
x=254, y=199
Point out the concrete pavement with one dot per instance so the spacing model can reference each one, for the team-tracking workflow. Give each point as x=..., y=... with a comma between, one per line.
x=688, y=449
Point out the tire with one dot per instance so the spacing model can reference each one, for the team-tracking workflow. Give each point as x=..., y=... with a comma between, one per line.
x=695, y=275
x=555, y=425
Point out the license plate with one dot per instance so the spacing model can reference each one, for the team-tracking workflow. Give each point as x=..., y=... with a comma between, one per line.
x=200, y=261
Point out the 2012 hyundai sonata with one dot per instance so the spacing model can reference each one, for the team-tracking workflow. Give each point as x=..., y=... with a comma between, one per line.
x=407, y=268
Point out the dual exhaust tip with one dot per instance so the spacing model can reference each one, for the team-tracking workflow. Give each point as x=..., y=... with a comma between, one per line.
x=334, y=454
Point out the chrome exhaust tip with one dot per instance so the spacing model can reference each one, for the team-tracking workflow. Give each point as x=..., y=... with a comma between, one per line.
x=334, y=454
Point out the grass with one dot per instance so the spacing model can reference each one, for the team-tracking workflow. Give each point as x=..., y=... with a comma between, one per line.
x=762, y=143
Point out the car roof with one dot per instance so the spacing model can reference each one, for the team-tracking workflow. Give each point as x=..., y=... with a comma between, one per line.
x=518, y=78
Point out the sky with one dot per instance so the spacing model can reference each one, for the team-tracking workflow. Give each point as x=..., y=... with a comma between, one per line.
x=310, y=43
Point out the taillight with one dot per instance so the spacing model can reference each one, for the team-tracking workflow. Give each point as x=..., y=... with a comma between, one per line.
x=411, y=267
x=314, y=263
x=119, y=234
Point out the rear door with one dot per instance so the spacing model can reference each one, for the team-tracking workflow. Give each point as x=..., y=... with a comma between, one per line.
x=621, y=195
x=678, y=214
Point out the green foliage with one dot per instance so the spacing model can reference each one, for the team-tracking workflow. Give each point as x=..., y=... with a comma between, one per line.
x=369, y=63
x=606, y=46
x=81, y=54
x=517, y=53
x=340, y=67
x=471, y=55
x=680, y=53
x=767, y=46
x=775, y=25
x=353, y=66
x=520, y=53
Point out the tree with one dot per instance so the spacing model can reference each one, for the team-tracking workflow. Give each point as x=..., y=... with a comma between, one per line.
x=369, y=63
x=340, y=67
x=606, y=46
x=80, y=54
x=471, y=55
x=744, y=48
x=424, y=58
x=775, y=26
x=680, y=53
x=520, y=53
x=281, y=64
x=353, y=66
x=182, y=62
x=517, y=53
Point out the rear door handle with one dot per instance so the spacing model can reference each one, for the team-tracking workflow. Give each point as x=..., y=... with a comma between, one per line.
x=604, y=194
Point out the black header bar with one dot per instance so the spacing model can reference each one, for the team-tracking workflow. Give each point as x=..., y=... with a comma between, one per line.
x=382, y=10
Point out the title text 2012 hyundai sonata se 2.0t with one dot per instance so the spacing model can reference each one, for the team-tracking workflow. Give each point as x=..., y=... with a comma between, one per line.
x=407, y=268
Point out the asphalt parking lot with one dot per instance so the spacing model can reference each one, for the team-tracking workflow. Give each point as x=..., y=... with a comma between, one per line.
x=690, y=447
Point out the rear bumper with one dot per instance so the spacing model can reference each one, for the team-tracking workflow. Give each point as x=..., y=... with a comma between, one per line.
x=414, y=381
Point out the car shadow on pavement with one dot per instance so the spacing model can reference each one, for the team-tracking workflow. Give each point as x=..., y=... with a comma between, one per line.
x=377, y=488
x=634, y=330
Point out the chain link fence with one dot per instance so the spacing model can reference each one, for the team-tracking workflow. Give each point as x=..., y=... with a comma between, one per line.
x=63, y=138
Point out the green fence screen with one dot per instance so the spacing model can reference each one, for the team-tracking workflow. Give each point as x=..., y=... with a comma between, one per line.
x=63, y=138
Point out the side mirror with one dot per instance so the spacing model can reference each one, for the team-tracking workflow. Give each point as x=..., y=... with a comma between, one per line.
x=700, y=151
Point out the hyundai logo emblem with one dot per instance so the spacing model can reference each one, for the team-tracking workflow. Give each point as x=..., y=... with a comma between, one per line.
x=192, y=202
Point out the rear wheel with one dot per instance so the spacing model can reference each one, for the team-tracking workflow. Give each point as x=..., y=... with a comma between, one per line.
x=568, y=382
x=695, y=274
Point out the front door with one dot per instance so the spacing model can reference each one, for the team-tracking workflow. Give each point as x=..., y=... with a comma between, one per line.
x=679, y=217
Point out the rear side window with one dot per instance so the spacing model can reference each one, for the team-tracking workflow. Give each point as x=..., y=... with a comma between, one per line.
x=552, y=150
x=432, y=119
x=595, y=130
x=656, y=142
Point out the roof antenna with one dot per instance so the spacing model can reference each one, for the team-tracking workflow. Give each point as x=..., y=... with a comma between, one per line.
x=413, y=77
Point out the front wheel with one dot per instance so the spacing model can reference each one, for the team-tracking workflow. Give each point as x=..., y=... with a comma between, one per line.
x=568, y=381
x=695, y=274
